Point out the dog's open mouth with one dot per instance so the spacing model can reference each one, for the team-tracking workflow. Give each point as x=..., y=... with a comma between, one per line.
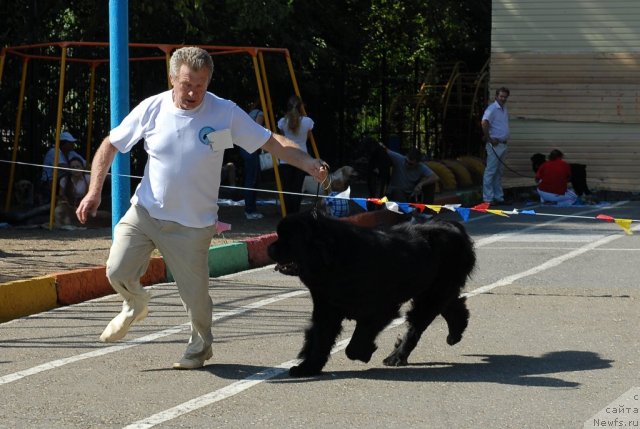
x=290, y=268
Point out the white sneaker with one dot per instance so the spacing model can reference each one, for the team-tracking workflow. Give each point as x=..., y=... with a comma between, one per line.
x=254, y=215
x=193, y=362
x=119, y=326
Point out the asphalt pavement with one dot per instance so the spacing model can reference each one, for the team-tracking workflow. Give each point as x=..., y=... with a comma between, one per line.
x=552, y=342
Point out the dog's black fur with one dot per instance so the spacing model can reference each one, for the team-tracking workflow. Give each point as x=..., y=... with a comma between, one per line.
x=578, y=174
x=366, y=275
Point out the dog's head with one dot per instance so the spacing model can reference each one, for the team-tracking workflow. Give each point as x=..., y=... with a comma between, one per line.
x=341, y=178
x=537, y=159
x=302, y=238
x=23, y=191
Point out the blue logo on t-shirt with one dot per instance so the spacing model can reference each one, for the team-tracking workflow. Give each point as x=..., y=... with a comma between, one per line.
x=202, y=135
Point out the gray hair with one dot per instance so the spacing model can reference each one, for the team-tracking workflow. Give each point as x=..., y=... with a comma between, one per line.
x=193, y=57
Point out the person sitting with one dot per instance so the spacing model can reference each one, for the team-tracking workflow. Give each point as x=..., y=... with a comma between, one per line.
x=411, y=180
x=552, y=178
x=65, y=153
x=74, y=185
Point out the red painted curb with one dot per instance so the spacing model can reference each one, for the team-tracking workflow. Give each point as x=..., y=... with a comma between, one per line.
x=81, y=285
x=156, y=273
x=77, y=286
x=257, y=249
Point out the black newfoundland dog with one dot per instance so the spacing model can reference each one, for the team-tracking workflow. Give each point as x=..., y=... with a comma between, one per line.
x=366, y=275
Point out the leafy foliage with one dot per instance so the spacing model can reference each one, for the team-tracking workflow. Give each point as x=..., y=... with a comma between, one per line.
x=352, y=58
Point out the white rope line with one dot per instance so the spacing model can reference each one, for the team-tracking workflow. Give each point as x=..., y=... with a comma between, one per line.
x=241, y=188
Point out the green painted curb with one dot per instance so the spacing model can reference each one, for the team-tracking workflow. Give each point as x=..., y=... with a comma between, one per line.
x=224, y=259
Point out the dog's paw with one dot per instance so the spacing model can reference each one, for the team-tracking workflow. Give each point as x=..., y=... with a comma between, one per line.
x=360, y=353
x=453, y=339
x=394, y=360
x=303, y=371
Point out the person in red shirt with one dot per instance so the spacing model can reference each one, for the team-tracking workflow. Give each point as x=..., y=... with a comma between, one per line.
x=552, y=178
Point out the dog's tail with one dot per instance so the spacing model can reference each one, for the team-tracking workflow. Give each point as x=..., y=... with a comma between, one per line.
x=457, y=242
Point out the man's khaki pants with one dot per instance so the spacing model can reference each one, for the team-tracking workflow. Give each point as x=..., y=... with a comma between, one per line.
x=185, y=251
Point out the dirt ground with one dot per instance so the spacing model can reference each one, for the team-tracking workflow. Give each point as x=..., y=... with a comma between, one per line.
x=36, y=251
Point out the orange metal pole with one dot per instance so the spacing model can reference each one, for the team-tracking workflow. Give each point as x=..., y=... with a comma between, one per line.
x=297, y=92
x=16, y=137
x=54, y=184
x=269, y=106
x=265, y=100
x=92, y=86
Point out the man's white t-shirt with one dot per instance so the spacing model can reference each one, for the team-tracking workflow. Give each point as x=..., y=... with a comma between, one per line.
x=498, y=118
x=182, y=175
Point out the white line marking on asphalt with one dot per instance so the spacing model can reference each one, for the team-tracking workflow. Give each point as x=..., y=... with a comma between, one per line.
x=259, y=377
x=545, y=266
x=600, y=249
x=232, y=389
x=506, y=236
x=272, y=372
x=9, y=378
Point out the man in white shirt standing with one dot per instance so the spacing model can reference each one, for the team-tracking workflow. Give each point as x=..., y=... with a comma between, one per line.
x=174, y=208
x=495, y=130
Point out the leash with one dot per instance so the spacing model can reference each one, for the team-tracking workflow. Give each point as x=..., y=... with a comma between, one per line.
x=507, y=167
x=326, y=186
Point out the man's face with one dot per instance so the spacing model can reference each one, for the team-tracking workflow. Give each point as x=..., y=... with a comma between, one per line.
x=189, y=87
x=66, y=146
x=502, y=97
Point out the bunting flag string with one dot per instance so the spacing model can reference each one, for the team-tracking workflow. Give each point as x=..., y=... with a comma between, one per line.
x=465, y=212
x=402, y=207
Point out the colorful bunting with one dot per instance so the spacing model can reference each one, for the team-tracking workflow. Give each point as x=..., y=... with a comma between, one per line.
x=464, y=213
x=625, y=224
x=497, y=212
x=605, y=218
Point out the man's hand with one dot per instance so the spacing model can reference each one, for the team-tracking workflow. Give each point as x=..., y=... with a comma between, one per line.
x=88, y=207
x=319, y=170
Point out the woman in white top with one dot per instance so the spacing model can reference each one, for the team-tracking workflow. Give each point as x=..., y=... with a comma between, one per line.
x=297, y=127
x=74, y=185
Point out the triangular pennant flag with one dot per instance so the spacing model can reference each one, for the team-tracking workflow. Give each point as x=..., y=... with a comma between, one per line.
x=606, y=218
x=497, y=212
x=222, y=227
x=625, y=224
x=464, y=213
x=392, y=206
x=481, y=206
x=434, y=208
x=405, y=207
x=528, y=212
x=452, y=207
x=512, y=212
x=362, y=202
x=418, y=206
x=383, y=200
x=344, y=194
